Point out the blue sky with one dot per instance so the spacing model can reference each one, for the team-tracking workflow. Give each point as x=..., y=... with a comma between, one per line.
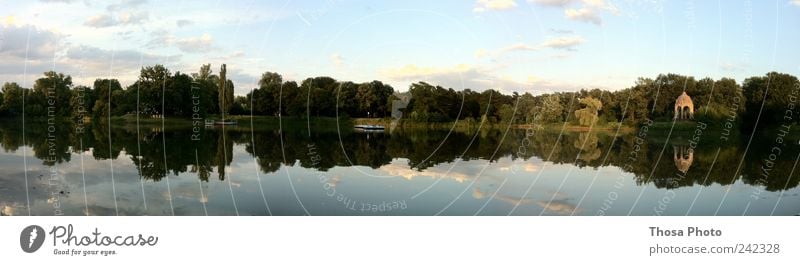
x=535, y=46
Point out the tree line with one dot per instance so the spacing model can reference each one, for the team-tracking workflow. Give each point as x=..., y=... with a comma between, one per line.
x=158, y=91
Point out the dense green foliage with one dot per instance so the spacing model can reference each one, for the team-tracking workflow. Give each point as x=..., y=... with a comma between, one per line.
x=159, y=92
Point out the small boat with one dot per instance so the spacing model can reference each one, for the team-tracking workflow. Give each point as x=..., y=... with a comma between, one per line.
x=228, y=122
x=368, y=127
x=224, y=122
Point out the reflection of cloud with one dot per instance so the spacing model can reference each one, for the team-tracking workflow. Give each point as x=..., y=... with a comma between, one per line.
x=513, y=200
x=433, y=172
x=477, y=193
x=561, y=206
x=335, y=180
x=8, y=210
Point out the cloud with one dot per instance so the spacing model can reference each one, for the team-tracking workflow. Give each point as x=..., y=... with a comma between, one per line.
x=732, y=67
x=123, y=18
x=561, y=43
x=552, y=3
x=795, y=2
x=464, y=76
x=602, y=5
x=484, y=5
x=200, y=44
x=87, y=62
x=562, y=31
x=242, y=80
x=588, y=12
x=337, y=60
x=126, y=4
x=27, y=42
x=583, y=15
x=183, y=22
x=100, y=21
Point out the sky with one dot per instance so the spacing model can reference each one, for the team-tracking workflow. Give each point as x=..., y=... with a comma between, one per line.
x=535, y=46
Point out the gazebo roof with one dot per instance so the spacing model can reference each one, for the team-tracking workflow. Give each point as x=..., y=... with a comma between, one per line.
x=684, y=100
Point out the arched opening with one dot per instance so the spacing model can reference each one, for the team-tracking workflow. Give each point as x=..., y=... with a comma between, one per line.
x=686, y=112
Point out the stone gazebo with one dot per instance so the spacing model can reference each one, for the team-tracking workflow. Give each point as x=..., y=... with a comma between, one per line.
x=684, y=108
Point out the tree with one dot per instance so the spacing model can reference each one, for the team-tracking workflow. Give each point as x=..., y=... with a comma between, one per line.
x=56, y=89
x=205, y=88
x=347, y=101
x=106, y=91
x=776, y=91
x=552, y=109
x=319, y=95
x=587, y=116
x=152, y=84
x=265, y=98
x=82, y=102
x=506, y=113
x=225, y=89
x=12, y=99
x=204, y=74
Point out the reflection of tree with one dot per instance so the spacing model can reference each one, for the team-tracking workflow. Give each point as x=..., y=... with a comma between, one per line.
x=423, y=149
x=587, y=142
x=224, y=154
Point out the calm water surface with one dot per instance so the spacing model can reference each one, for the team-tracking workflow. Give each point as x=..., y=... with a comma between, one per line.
x=236, y=171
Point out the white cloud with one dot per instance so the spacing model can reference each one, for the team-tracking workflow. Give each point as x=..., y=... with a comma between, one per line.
x=732, y=67
x=99, y=21
x=125, y=4
x=183, y=22
x=122, y=18
x=463, y=76
x=337, y=60
x=795, y=2
x=601, y=5
x=552, y=3
x=484, y=5
x=583, y=15
x=200, y=44
x=563, y=42
x=29, y=42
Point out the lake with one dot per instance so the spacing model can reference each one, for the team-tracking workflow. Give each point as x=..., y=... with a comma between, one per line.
x=52, y=169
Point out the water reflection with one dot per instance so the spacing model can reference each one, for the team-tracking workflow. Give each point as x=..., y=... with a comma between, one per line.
x=349, y=173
